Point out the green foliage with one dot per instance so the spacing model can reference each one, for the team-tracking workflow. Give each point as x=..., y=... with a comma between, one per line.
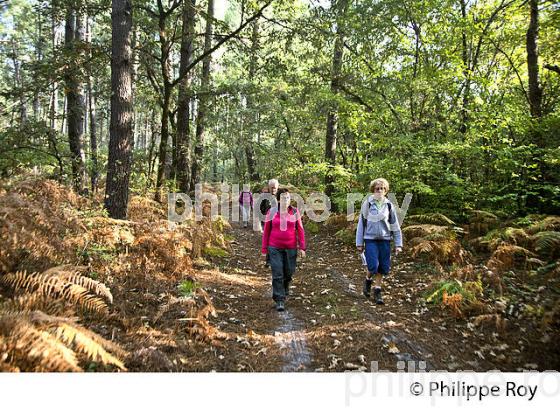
x=187, y=288
x=547, y=243
x=311, y=227
x=32, y=145
x=213, y=251
x=470, y=290
x=347, y=235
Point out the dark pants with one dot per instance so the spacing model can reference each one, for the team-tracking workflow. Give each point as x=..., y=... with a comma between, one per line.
x=283, y=265
x=378, y=256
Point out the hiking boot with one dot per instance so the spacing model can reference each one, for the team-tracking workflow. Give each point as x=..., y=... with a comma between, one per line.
x=378, y=298
x=367, y=287
x=280, y=306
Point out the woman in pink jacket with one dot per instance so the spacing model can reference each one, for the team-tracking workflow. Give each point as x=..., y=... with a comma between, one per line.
x=283, y=235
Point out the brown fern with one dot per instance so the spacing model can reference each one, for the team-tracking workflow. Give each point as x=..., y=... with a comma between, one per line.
x=35, y=341
x=59, y=288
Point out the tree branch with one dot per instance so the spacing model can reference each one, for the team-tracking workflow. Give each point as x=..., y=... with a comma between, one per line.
x=554, y=68
x=219, y=43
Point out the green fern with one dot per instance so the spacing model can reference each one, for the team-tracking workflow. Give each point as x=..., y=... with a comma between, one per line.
x=547, y=243
x=431, y=218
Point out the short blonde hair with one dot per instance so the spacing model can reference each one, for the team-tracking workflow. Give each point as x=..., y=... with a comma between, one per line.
x=379, y=181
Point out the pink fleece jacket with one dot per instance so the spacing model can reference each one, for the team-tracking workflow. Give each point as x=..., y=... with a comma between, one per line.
x=289, y=238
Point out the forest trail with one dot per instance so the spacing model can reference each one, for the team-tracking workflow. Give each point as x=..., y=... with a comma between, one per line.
x=330, y=326
x=327, y=317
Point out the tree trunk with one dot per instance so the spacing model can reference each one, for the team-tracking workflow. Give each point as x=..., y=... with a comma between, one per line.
x=75, y=100
x=183, y=102
x=203, y=100
x=163, y=143
x=466, y=72
x=332, y=116
x=535, y=90
x=92, y=119
x=18, y=81
x=121, y=138
x=249, y=149
x=54, y=90
x=166, y=101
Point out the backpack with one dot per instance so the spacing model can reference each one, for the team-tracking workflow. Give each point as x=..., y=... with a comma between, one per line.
x=364, y=219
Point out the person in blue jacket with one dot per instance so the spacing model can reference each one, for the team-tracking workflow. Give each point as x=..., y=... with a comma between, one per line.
x=377, y=225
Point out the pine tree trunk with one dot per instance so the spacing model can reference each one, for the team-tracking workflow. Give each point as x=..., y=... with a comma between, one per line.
x=249, y=149
x=203, y=100
x=332, y=116
x=166, y=102
x=74, y=100
x=121, y=139
x=183, y=103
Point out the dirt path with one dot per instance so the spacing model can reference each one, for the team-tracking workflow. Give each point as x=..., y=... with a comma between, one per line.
x=330, y=326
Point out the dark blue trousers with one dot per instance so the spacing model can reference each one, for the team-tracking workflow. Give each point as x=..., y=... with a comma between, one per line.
x=378, y=256
x=283, y=265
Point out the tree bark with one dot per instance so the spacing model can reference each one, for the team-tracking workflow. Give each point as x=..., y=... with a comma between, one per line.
x=121, y=138
x=332, y=116
x=203, y=99
x=166, y=100
x=75, y=99
x=183, y=102
x=466, y=72
x=249, y=148
x=535, y=90
x=94, y=177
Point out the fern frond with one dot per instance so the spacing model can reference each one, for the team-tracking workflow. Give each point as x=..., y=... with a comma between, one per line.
x=40, y=351
x=414, y=231
x=50, y=286
x=74, y=274
x=547, y=242
x=432, y=219
x=89, y=344
x=36, y=341
x=34, y=301
x=550, y=223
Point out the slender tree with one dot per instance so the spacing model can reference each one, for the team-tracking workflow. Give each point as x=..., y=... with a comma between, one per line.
x=121, y=139
x=535, y=90
x=332, y=117
x=249, y=145
x=183, y=102
x=203, y=99
x=75, y=101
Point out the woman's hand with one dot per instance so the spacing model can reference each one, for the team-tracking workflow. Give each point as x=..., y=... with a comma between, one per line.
x=398, y=250
x=302, y=253
x=360, y=248
x=264, y=256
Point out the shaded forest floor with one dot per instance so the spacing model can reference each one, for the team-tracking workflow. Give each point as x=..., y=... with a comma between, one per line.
x=198, y=297
x=330, y=326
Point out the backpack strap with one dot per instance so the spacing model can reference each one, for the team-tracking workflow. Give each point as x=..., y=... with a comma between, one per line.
x=364, y=219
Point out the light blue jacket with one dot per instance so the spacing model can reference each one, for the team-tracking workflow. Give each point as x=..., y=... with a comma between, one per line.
x=380, y=225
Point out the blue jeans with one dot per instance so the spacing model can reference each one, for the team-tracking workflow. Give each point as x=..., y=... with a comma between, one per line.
x=378, y=256
x=283, y=265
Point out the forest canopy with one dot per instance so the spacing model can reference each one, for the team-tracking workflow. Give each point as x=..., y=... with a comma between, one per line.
x=455, y=101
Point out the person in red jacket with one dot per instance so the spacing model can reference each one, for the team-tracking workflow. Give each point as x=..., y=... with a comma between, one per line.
x=283, y=235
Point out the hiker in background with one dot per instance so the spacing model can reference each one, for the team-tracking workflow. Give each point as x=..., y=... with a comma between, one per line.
x=283, y=235
x=246, y=204
x=377, y=225
x=259, y=226
x=265, y=203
